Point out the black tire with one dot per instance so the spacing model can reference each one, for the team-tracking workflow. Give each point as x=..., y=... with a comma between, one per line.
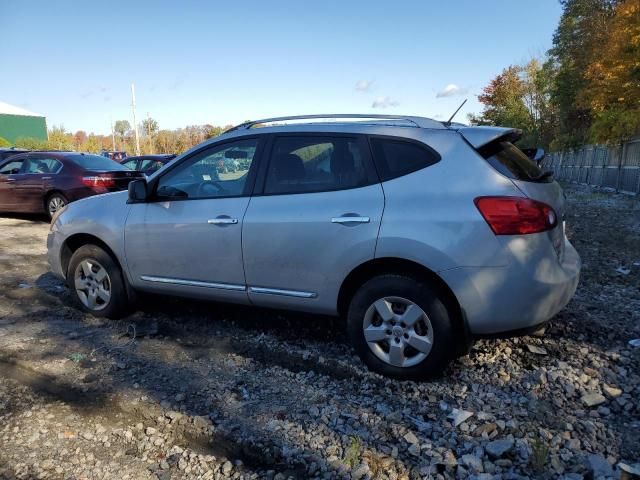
x=391, y=285
x=52, y=198
x=118, y=303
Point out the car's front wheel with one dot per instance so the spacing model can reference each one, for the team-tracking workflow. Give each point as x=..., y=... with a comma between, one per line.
x=400, y=327
x=96, y=282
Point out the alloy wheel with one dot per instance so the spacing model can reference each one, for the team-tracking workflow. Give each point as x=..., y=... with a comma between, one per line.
x=92, y=284
x=398, y=331
x=55, y=204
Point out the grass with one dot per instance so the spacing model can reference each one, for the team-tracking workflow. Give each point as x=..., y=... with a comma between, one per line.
x=352, y=452
x=539, y=456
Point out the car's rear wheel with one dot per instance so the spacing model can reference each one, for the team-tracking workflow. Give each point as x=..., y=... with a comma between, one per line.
x=96, y=282
x=55, y=202
x=401, y=328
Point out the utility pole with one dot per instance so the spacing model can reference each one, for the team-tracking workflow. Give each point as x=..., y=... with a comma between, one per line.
x=135, y=124
x=113, y=136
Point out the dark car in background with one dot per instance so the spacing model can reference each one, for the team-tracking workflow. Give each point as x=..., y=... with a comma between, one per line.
x=148, y=163
x=118, y=156
x=37, y=182
x=8, y=152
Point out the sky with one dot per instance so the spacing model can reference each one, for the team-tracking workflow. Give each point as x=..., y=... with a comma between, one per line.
x=223, y=62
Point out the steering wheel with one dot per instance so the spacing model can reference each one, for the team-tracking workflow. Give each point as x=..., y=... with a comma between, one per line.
x=209, y=188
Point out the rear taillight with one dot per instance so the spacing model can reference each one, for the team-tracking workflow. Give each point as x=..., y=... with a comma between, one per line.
x=516, y=215
x=101, y=181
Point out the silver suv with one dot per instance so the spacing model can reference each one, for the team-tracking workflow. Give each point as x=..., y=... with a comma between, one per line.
x=422, y=235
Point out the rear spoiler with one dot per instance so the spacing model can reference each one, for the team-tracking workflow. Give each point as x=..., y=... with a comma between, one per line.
x=478, y=137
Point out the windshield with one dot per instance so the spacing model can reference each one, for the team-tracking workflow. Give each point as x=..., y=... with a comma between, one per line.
x=95, y=162
x=512, y=162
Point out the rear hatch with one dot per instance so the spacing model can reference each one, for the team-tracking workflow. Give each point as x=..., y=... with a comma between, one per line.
x=496, y=147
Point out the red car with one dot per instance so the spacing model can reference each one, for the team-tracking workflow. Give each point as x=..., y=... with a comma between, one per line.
x=37, y=182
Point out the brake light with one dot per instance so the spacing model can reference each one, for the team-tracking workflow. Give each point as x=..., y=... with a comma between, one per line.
x=516, y=215
x=99, y=182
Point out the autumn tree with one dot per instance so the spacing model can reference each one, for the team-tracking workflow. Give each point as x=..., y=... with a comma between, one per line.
x=4, y=142
x=92, y=144
x=59, y=139
x=122, y=127
x=612, y=90
x=581, y=32
x=79, y=138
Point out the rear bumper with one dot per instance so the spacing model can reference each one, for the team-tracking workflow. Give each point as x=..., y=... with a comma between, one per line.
x=500, y=301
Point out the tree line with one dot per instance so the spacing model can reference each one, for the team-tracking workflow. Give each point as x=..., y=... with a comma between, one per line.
x=586, y=89
x=152, y=139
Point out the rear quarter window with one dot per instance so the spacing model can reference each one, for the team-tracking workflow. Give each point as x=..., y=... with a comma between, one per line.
x=396, y=157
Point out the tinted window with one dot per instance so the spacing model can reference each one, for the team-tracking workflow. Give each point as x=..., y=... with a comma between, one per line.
x=150, y=165
x=130, y=164
x=95, y=162
x=395, y=158
x=11, y=168
x=220, y=171
x=512, y=162
x=42, y=165
x=313, y=164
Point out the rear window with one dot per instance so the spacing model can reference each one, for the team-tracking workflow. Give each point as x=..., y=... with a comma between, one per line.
x=96, y=162
x=510, y=161
x=395, y=158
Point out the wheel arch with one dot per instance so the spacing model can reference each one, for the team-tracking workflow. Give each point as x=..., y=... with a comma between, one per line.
x=77, y=240
x=380, y=266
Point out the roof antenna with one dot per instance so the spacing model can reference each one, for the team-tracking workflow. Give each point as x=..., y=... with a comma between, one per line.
x=448, y=122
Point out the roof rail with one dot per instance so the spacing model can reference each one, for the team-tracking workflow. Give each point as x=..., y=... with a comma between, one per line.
x=419, y=122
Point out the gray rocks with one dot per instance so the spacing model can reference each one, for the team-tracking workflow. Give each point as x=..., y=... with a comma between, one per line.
x=598, y=466
x=227, y=467
x=499, y=448
x=537, y=350
x=593, y=399
x=459, y=416
x=472, y=463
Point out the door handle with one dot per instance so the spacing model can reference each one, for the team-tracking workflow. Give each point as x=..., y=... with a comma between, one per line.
x=350, y=219
x=46, y=178
x=222, y=221
x=11, y=179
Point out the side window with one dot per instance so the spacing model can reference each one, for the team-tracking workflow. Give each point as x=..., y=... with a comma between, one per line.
x=394, y=157
x=11, y=168
x=130, y=164
x=42, y=165
x=220, y=171
x=313, y=164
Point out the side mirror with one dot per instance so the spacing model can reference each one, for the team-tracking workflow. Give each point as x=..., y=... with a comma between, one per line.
x=137, y=191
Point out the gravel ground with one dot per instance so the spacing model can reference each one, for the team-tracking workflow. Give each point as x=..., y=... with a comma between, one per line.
x=210, y=391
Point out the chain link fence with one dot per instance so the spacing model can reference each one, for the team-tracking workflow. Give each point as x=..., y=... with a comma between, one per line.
x=612, y=167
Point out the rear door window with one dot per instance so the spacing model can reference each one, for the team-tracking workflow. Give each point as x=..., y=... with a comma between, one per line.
x=510, y=161
x=42, y=165
x=305, y=164
x=396, y=157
